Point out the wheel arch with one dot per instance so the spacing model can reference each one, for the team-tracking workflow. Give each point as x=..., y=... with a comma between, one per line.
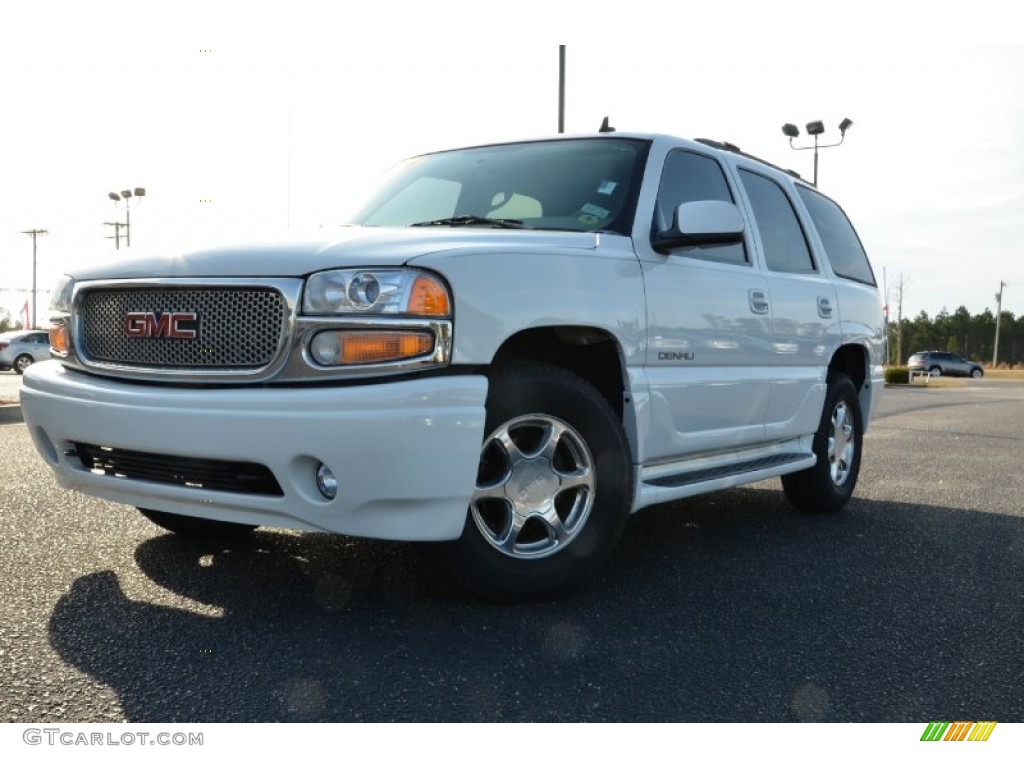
x=591, y=353
x=852, y=360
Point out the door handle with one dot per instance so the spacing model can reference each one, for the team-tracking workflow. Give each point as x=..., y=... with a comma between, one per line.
x=759, y=304
x=824, y=307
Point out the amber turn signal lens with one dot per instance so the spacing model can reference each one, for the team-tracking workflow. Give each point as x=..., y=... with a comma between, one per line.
x=428, y=297
x=59, y=339
x=367, y=347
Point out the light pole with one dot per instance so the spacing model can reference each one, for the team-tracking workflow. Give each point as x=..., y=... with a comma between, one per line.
x=126, y=196
x=561, y=89
x=34, y=233
x=999, y=312
x=815, y=129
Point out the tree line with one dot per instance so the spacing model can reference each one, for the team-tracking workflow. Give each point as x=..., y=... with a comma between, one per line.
x=972, y=336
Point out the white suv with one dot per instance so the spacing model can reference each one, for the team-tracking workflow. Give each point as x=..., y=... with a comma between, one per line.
x=511, y=349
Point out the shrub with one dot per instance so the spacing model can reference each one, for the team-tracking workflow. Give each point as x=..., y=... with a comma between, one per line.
x=897, y=374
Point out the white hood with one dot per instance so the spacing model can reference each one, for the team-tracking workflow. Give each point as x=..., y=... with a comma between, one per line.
x=347, y=247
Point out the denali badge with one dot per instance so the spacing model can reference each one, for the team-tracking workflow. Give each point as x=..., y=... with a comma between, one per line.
x=170, y=325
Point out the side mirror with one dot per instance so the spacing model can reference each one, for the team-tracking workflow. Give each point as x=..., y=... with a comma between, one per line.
x=704, y=222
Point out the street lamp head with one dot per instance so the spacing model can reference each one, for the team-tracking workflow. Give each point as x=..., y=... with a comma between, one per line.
x=114, y=196
x=140, y=192
x=791, y=130
x=815, y=128
x=127, y=193
x=845, y=125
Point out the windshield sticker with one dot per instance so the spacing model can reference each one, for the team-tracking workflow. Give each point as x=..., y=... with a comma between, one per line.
x=595, y=210
x=606, y=187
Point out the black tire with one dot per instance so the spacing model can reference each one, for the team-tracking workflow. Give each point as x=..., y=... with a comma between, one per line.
x=556, y=462
x=829, y=484
x=21, y=362
x=977, y=373
x=195, y=527
x=935, y=371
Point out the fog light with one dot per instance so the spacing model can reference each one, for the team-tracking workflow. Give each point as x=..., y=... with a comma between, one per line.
x=326, y=348
x=326, y=482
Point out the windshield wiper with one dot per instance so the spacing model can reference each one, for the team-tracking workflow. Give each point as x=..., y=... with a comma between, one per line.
x=469, y=221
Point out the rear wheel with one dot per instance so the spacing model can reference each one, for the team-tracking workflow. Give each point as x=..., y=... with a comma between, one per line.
x=195, y=527
x=21, y=362
x=553, y=490
x=829, y=484
x=935, y=371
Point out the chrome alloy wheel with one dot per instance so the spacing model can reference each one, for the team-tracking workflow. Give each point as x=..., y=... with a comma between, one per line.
x=841, y=443
x=535, y=487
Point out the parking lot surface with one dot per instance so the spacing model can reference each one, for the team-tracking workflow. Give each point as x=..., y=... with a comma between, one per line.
x=906, y=606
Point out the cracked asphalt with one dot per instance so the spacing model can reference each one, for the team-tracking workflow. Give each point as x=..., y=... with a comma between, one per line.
x=906, y=606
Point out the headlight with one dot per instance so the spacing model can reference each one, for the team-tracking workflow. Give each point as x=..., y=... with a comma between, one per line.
x=60, y=296
x=376, y=291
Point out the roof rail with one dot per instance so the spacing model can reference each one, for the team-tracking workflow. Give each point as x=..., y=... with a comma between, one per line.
x=730, y=147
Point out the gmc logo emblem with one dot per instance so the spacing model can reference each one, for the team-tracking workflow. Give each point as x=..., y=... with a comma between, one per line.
x=166, y=325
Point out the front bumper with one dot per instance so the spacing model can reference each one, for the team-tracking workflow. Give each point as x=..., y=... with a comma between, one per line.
x=405, y=453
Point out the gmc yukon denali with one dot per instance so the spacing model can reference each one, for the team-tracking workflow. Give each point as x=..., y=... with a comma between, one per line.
x=507, y=351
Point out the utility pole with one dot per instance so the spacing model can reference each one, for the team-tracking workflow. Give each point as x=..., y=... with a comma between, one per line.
x=999, y=312
x=34, y=233
x=116, y=237
x=899, y=320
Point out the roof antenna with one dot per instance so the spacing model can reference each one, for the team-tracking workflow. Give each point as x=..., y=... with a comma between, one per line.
x=605, y=128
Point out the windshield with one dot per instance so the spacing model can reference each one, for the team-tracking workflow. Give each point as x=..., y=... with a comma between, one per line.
x=583, y=185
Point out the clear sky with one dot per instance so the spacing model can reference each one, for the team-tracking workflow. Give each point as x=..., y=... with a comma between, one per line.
x=237, y=133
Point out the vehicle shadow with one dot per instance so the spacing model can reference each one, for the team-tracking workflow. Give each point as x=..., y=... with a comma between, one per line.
x=730, y=607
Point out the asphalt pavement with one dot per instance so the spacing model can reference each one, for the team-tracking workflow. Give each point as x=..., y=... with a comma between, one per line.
x=906, y=606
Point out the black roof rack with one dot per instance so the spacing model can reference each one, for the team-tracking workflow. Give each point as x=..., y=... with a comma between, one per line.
x=729, y=147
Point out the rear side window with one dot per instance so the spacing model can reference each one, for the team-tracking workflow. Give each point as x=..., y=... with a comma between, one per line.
x=785, y=247
x=842, y=246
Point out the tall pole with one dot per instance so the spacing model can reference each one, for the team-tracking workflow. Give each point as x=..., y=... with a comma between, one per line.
x=999, y=312
x=561, y=89
x=34, y=233
x=127, y=225
x=815, y=160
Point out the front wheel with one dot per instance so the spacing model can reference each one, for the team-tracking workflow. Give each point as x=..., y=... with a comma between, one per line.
x=195, y=527
x=829, y=484
x=977, y=373
x=554, y=486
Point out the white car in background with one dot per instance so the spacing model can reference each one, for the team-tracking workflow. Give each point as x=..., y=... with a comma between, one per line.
x=19, y=349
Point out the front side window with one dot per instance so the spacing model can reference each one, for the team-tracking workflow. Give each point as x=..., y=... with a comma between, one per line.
x=785, y=247
x=583, y=185
x=690, y=177
x=842, y=246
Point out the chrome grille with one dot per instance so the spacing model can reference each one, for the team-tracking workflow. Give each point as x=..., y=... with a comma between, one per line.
x=237, y=328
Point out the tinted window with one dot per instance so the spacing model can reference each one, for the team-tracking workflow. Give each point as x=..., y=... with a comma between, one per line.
x=687, y=178
x=842, y=246
x=785, y=247
x=575, y=184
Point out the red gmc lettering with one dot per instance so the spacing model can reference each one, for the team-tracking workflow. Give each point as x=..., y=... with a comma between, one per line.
x=161, y=325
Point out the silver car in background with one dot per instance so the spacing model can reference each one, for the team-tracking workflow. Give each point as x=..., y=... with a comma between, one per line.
x=944, y=364
x=19, y=349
